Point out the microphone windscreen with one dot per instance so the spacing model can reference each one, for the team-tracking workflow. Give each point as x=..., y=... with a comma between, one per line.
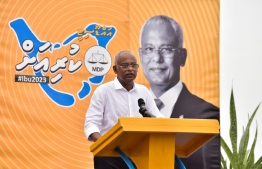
x=141, y=102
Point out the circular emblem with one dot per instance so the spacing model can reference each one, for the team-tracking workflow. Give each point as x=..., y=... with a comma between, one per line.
x=97, y=60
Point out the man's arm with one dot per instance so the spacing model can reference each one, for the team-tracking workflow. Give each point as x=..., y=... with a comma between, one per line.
x=94, y=116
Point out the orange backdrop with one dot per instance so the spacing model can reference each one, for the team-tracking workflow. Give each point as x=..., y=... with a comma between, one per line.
x=38, y=133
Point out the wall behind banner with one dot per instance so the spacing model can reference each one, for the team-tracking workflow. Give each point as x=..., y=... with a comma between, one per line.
x=37, y=132
x=241, y=61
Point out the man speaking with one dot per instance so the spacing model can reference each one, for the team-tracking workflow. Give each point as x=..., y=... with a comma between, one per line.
x=114, y=99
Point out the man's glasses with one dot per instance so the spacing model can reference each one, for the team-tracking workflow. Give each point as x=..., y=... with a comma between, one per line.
x=166, y=52
x=126, y=66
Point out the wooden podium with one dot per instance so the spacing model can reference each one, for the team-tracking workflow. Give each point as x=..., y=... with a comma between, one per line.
x=153, y=142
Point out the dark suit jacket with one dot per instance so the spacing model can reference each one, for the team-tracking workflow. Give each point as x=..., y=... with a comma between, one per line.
x=191, y=106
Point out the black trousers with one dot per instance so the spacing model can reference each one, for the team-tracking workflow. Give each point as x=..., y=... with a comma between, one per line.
x=110, y=163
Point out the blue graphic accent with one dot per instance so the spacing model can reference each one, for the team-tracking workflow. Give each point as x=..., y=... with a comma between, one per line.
x=84, y=91
x=101, y=40
x=125, y=158
x=96, y=79
x=179, y=162
x=23, y=32
x=57, y=45
x=70, y=39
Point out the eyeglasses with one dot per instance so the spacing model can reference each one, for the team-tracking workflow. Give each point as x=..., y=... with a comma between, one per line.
x=166, y=52
x=126, y=66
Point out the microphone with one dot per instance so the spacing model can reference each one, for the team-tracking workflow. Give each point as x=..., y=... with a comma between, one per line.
x=143, y=110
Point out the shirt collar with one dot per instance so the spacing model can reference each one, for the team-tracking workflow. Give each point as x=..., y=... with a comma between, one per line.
x=118, y=85
x=173, y=93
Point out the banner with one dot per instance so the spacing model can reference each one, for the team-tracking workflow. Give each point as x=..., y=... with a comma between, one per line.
x=55, y=53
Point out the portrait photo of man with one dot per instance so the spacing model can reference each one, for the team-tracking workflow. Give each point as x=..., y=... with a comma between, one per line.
x=162, y=55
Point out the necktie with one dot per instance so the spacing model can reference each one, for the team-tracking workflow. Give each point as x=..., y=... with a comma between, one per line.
x=159, y=103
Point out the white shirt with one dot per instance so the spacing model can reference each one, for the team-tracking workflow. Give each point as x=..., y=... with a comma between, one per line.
x=111, y=101
x=169, y=103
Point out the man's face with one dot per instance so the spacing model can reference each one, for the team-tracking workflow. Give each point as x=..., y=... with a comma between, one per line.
x=125, y=68
x=159, y=69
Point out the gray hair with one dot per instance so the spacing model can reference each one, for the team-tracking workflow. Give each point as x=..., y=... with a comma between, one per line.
x=119, y=53
x=162, y=19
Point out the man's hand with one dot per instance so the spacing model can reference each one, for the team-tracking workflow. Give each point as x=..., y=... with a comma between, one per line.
x=95, y=136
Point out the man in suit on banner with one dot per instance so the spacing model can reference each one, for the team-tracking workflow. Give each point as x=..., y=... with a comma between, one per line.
x=161, y=55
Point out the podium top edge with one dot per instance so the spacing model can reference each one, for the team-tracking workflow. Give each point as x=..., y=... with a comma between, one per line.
x=168, y=121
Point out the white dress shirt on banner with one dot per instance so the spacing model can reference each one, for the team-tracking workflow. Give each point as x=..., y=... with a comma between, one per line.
x=169, y=99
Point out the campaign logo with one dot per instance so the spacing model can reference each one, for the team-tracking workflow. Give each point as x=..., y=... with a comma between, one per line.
x=97, y=59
